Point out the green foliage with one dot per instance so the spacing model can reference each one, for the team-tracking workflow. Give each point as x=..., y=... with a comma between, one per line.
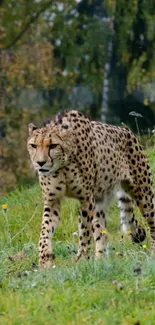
x=133, y=70
x=53, y=55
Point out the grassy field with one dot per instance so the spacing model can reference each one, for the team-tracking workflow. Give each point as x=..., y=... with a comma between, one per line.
x=118, y=290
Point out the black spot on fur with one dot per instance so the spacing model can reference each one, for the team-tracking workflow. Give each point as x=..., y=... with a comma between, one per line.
x=139, y=237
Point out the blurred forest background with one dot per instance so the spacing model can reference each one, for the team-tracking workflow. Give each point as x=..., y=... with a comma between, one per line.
x=95, y=56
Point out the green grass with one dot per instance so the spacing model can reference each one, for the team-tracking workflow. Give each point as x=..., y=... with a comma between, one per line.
x=117, y=290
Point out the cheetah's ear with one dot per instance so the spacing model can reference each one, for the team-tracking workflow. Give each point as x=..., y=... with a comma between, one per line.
x=31, y=128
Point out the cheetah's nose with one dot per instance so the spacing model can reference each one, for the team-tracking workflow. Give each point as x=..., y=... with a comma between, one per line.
x=41, y=163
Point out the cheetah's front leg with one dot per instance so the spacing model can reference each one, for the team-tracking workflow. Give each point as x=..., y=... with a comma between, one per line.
x=99, y=230
x=85, y=232
x=50, y=222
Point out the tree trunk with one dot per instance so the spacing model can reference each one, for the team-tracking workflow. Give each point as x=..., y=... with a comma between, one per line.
x=107, y=71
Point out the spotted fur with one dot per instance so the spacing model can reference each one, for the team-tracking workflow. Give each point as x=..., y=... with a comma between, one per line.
x=90, y=161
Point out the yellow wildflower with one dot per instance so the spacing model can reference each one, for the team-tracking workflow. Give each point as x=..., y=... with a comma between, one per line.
x=104, y=232
x=4, y=206
x=119, y=254
x=144, y=246
x=146, y=102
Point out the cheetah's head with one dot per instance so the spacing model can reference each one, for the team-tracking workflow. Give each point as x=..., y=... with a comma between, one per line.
x=50, y=147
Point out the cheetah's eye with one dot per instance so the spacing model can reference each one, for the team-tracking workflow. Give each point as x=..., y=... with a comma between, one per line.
x=33, y=145
x=52, y=146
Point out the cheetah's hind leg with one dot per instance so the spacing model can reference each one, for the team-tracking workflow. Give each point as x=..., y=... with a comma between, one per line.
x=128, y=219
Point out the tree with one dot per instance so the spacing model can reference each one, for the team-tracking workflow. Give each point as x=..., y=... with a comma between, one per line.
x=133, y=61
x=55, y=54
x=96, y=56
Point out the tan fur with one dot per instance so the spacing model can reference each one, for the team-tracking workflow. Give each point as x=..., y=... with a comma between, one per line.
x=90, y=161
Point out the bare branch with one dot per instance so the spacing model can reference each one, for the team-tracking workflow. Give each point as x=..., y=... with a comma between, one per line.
x=28, y=24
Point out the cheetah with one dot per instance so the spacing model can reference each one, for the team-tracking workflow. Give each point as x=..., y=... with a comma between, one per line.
x=91, y=162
